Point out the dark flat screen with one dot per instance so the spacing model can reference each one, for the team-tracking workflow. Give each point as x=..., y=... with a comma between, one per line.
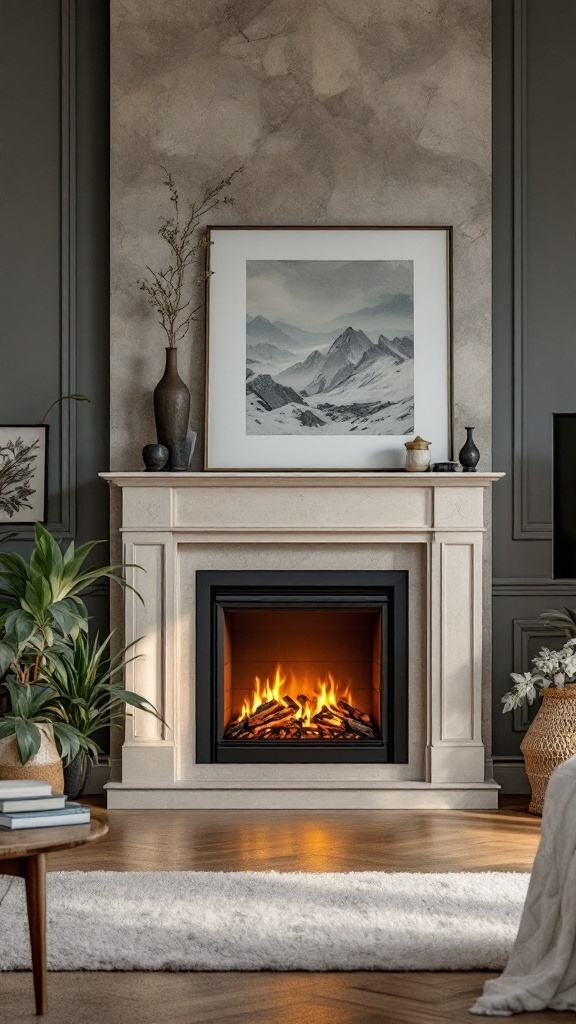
x=564, y=490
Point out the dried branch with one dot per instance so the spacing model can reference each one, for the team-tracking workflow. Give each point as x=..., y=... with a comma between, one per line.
x=167, y=288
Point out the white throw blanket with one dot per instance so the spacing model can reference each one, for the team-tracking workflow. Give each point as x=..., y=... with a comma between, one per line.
x=541, y=971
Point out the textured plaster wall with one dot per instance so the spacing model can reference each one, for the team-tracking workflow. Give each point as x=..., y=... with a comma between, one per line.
x=341, y=111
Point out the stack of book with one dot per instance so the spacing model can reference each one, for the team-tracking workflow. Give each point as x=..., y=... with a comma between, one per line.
x=29, y=804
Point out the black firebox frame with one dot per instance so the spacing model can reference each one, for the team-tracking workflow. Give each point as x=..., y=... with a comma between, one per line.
x=218, y=591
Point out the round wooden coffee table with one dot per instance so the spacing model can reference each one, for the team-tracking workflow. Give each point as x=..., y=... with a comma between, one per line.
x=23, y=853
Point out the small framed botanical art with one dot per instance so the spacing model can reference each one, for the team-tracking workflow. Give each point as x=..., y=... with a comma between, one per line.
x=23, y=452
x=327, y=348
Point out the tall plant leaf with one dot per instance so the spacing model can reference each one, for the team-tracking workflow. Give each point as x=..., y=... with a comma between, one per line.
x=28, y=738
x=40, y=602
x=8, y=653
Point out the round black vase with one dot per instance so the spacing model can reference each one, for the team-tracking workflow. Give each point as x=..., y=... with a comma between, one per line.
x=172, y=414
x=469, y=455
x=155, y=457
x=76, y=775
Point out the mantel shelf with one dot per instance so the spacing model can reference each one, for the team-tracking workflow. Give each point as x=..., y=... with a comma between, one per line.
x=301, y=479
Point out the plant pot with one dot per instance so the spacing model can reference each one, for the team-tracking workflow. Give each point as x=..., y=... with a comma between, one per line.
x=172, y=414
x=550, y=740
x=76, y=775
x=45, y=766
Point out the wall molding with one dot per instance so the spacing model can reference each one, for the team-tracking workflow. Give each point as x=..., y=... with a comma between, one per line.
x=536, y=586
x=524, y=527
x=65, y=526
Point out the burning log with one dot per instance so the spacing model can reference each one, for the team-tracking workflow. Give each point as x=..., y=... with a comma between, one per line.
x=360, y=728
x=288, y=718
x=349, y=711
x=279, y=717
x=264, y=712
x=236, y=729
x=353, y=713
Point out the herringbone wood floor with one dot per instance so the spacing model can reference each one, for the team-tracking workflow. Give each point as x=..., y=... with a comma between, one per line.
x=288, y=841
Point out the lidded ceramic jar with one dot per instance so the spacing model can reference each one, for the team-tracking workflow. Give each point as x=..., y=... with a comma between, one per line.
x=417, y=455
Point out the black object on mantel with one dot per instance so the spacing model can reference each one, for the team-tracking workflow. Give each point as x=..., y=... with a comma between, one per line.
x=172, y=414
x=469, y=455
x=155, y=457
x=564, y=497
x=444, y=467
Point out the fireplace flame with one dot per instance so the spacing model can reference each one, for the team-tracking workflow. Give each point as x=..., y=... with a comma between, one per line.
x=325, y=694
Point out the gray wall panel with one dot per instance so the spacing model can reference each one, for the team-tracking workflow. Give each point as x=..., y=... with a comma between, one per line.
x=30, y=282
x=54, y=335
x=534, y=318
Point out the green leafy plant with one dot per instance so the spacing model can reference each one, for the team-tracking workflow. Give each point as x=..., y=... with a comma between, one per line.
x=85, y=693
x=29, y=706
x=41, y=610
x=53, y=674
x=167, y=288
x=551, y=668
x=565, y=619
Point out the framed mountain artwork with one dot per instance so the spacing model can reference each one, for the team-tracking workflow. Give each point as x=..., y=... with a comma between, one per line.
x=327, y=348
x=23, y=454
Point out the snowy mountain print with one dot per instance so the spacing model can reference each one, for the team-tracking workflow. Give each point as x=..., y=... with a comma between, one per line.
x=314, y=368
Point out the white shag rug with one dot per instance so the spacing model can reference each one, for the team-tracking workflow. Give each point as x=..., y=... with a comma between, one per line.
x=252, y=921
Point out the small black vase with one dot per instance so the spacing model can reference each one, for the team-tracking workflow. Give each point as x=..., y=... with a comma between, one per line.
x=155, y=457
x=76, y=774
x=469, y=455
x=172, y=414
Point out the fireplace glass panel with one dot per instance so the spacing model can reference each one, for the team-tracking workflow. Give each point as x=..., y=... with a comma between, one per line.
x=294, y=674
x=304, y=667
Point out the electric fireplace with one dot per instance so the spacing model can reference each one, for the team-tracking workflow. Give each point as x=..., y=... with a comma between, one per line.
x=301, y=667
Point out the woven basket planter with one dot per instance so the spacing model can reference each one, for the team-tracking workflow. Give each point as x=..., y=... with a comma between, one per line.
x=45, y=766
x=550, y=740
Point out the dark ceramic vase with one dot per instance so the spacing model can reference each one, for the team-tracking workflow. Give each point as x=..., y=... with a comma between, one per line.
x=469, y=455
x=172, y=414
x=155, y=457
x=76, y=775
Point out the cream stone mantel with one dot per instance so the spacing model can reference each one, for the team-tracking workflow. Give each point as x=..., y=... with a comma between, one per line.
x=429, y=523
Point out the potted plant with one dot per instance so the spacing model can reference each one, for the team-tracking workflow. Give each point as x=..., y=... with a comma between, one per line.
x=42, y=614
x=87, y=699
x=34, y=740
x=551, y=738
x=168, y=290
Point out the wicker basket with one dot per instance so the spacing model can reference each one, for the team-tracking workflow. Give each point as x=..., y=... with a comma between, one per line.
x=46, y=765
x=550, y=740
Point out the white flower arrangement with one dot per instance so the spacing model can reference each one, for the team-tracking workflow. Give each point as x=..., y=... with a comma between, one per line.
x=551, y=668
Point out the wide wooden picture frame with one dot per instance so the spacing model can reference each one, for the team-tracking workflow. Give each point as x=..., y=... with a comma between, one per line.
x=23, y=474
x=327, y=348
